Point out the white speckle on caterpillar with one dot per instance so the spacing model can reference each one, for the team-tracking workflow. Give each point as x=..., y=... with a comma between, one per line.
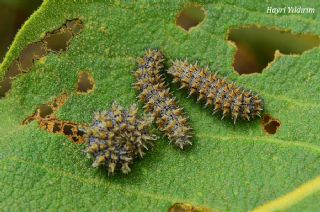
x=223, y=96
x=159, y=101
x=118, y=136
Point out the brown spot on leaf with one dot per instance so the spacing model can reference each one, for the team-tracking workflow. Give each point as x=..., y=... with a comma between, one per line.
x=270, y=125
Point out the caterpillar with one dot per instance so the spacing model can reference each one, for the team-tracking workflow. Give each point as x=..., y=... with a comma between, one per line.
x=222, y=95
x=118, y=136
x=158, y=100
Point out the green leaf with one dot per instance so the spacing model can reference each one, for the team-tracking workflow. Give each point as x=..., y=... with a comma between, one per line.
x=229, y=167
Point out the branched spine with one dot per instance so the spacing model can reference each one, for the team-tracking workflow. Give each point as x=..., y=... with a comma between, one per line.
x=159, y=101
x=223, y=96
x=118, y=136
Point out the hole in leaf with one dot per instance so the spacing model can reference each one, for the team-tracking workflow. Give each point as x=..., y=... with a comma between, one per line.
x=56, y=41
x=270, y=125
x=56, y=127
x=190, y=16
x=32, y=52
x=67, y=129
x=75, y=139
x=5, y=84
x=12, y=16
x=85, y=83
x=256, y=46
x=80, y=133
x=47, y=121
x=45, y=110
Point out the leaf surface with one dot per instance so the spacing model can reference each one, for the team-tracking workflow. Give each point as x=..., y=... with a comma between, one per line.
x=229, y=167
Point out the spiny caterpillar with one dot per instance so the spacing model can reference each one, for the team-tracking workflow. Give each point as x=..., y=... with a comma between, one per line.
x=118, y=136
x=159, y=101
x=224, y=96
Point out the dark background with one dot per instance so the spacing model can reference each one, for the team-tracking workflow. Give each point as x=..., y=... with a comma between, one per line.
x=13, y=13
